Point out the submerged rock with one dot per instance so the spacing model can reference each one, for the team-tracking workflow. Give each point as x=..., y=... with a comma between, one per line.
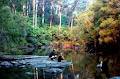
x=6, y=64
x=34, y=61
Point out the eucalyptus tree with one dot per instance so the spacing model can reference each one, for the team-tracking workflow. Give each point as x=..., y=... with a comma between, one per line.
x=43, y=11
x=35, y=10
x=60, y=13
x=51, y=13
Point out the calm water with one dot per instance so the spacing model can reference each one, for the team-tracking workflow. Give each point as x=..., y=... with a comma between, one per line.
x=15, y=73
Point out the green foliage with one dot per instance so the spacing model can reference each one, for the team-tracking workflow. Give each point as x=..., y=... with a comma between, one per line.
x=3, y=3
x=17, y=31
x=12, y=31
x=13, y=24
x=6, y=17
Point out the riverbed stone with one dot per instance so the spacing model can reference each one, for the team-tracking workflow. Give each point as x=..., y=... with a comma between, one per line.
x=6, y=64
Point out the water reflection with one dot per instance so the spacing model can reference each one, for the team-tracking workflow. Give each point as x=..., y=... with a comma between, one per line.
x=15, y=73
x=35, y=73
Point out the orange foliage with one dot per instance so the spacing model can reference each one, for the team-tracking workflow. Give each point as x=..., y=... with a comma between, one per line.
x=66, y=45
x=88, y=23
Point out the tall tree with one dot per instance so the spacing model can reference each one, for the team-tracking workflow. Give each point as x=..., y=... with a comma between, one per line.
x=35, y=13
x=70, y=13
x=60, y=13
x=13, y=6
x=27, y=7
x=36, y=10
x=24, y=9
x=43, y=11
x=51, y=14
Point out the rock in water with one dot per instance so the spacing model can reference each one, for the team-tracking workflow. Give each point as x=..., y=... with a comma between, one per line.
x=6, y=64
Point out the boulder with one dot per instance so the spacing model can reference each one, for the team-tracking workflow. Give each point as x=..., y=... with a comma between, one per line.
x=6, y=64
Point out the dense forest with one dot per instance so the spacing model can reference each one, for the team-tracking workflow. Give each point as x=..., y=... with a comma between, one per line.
x=85, y=31
x=31, y=24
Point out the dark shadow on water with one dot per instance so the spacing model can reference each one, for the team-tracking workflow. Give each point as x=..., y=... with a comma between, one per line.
x=15, y=73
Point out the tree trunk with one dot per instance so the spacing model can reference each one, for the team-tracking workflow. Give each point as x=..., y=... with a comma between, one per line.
x=70, y=14
x=43, y=7
x=27, y=8
x=51, y=14
x=34, y=13
x=71, y=24
x=24, y=9
x=36, y=10
x=13, y=8
x=60, y=14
